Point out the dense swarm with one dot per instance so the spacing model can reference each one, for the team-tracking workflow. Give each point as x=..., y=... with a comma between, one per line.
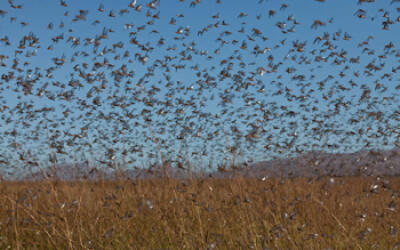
x=144, y=83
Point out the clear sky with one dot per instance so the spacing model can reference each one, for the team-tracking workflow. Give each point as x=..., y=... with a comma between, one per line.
x=245, y=61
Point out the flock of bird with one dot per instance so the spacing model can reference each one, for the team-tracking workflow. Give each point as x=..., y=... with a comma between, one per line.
x=229, y=87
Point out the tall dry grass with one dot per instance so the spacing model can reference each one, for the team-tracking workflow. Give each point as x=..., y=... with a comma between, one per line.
x=339, y=213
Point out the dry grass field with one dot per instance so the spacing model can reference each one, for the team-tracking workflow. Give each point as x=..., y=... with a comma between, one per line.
x=325, y=213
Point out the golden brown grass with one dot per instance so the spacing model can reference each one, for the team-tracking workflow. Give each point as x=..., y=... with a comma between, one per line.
x=237, y=213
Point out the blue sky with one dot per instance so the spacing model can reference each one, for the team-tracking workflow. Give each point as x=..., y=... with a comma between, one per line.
x=339, y=16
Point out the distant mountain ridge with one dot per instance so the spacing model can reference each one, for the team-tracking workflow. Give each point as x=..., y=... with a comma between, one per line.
x=315, y=164
x=371, y=163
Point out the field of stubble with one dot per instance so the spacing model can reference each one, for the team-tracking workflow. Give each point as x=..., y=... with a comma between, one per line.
x=328, y=213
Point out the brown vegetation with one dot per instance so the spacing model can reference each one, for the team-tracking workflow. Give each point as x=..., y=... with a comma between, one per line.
x=346, y=212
